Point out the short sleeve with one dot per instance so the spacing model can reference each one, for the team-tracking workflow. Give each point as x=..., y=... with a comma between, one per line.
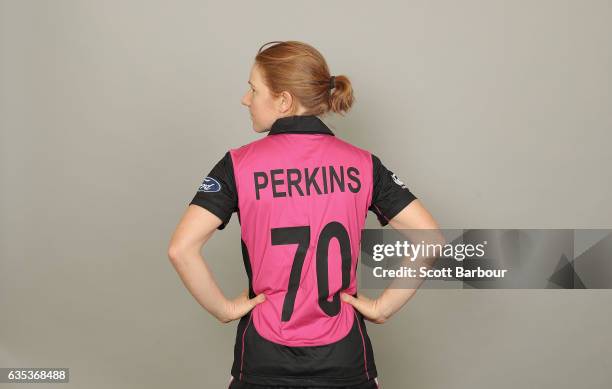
x=389, y=195
x=217, y=192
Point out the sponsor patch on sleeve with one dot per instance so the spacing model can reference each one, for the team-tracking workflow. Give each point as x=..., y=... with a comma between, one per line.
x=398, y=181
x=209, y=185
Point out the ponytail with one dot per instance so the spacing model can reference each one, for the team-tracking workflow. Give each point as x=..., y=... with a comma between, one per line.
x=341, y=97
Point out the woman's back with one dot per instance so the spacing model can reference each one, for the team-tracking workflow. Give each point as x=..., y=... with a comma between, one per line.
x=302, y=197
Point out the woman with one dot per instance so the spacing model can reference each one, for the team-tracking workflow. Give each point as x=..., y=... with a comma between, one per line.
x=301, y=195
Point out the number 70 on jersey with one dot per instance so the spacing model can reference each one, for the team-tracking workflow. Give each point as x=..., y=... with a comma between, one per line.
x=301, y=236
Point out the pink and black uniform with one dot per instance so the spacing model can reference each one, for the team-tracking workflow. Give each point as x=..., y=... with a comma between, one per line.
x=302, y=197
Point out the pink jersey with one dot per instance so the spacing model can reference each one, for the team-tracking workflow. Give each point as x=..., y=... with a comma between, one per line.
x=302, y=196
x=303, y=202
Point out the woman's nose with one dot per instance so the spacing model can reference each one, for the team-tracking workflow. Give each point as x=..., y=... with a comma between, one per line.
x=245, y=100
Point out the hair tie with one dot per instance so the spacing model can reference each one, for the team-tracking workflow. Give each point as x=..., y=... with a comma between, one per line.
x=332, y=82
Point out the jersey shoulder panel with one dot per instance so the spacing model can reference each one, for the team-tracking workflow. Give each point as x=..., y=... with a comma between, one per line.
x=390, y=194
x=218, y=193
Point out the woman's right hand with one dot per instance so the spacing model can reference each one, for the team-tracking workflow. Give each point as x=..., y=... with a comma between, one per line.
x=240, y=306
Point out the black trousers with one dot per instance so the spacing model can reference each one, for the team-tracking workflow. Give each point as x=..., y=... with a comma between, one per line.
x=235, y=384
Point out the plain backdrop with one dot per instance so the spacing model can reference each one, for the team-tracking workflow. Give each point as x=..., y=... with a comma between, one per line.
x=496, y=114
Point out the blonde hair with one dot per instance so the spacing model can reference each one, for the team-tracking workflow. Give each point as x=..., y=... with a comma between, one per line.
x=301, y=70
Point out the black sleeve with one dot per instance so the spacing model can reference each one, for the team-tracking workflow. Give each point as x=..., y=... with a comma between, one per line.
x=390, y=195
x=217, y=193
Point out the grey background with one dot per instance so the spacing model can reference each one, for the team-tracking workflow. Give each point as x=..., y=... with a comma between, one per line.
x=495, y=113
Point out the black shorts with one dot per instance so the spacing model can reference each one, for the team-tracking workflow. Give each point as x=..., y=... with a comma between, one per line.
x=235, y=384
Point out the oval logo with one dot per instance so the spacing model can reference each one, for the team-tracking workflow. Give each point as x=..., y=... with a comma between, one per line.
x=209, y=185
x=398, y=181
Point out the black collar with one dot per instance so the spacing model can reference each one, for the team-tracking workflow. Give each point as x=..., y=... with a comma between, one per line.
x=299, y=124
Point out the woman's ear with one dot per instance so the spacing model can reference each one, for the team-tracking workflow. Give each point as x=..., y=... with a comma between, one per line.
x=285, y=102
